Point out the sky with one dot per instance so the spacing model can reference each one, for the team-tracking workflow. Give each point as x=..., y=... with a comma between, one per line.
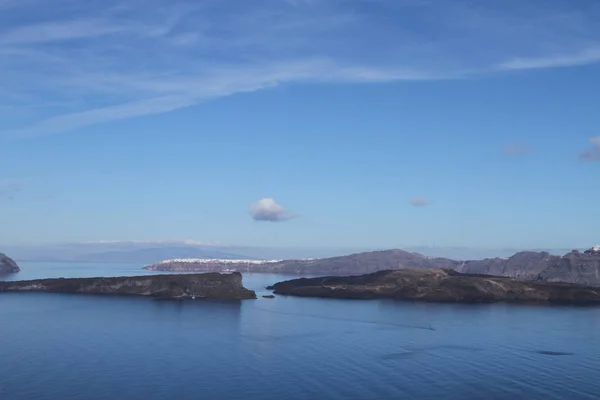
x=348, y=123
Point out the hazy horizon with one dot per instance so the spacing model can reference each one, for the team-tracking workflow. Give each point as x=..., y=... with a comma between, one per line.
x=116, y=251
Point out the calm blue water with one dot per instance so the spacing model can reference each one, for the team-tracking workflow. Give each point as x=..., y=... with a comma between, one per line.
x=84, y=347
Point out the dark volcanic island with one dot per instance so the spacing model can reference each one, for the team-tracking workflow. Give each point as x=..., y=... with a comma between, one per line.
x=438, y=285
x=199, y=286
x=7, y=265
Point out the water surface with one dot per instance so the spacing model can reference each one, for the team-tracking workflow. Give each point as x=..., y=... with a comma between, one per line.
x=56, y=346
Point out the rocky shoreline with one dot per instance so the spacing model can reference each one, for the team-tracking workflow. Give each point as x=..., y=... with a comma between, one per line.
x=438, y=285
x=193, y=286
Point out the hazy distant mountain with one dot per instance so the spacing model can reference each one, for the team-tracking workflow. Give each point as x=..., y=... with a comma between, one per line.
x=156, y=254
x=119, y=252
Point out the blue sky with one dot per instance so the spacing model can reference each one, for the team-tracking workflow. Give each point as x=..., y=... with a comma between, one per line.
x=349, y=123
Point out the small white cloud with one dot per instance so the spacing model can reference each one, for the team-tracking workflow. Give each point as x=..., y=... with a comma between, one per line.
x=268, y=210
x=593, y=154
x=420, y=202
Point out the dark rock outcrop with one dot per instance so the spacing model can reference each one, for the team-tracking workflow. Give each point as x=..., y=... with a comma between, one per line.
x=208, y=286
x=7, y=265
x=438, y=285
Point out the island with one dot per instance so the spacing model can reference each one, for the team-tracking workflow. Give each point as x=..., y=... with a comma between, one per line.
x=7, y=265
x=438, y=285
x=182, y=286
x=582, y=268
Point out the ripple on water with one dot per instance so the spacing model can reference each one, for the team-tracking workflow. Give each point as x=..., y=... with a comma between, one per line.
x=553, y=353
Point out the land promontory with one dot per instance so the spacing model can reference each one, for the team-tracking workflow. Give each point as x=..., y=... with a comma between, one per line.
x=438, y=285
x=182, y=286
x=7, y=265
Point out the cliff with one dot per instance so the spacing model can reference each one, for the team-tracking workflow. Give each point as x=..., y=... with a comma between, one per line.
x=358, y=263
x=208, y=286
x=574, y=267
x=211, y=265
x=438, y=285
x=7, y=265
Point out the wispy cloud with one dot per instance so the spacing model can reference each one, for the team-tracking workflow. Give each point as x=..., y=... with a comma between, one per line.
x=9, y=189
x=177, y=92
x=268, y=210
x=57, y=31
x=420, y=202
x=583, y=57
x=6, y=4
x=72, y=64
x=593, y=154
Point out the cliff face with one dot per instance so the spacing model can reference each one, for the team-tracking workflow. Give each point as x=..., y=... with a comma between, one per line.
x=575, y=267
x=362, y=263
x=7, y=265
x=522, y=265
x=209, y=286
x=438, y=285
x=359, y=263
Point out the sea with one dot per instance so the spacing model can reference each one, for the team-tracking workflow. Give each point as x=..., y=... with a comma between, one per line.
x=58, y=346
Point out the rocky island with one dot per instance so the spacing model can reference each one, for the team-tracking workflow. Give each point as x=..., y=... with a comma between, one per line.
x=198, y=286
x=7, y=265
x=438, y=285
x=582, y=268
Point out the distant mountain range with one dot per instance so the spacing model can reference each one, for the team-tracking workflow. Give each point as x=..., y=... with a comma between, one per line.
x=151, y=252
x=118, y=252
x=574, y=267
x=158, y=253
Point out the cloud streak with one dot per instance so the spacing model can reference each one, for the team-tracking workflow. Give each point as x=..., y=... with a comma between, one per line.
x=583, y=57
x=58, y=31
x=101, y=62
x=268, y=210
